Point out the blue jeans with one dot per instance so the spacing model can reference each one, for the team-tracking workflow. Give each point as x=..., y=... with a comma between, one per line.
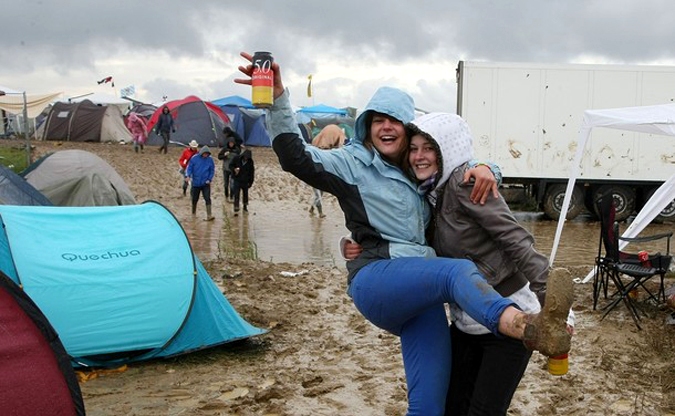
x=407, y=297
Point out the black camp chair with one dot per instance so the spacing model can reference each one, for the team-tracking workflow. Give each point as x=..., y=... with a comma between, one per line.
x=626, y=270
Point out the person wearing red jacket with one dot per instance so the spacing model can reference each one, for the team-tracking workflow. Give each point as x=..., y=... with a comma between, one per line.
x=189, y=151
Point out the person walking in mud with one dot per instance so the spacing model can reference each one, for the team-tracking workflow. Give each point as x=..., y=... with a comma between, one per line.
x=397, y=283
x=330, y=137
x=138, y=129
x=164, y=127
x=243, y=174
x=199, y=173
x=185, y=156
x=227, y=155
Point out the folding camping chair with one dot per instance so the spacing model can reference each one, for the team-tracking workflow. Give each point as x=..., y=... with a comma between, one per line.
x=627, y=271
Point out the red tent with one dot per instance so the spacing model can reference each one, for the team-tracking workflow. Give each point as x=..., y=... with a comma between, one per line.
x=36, y=377
x=194, y=119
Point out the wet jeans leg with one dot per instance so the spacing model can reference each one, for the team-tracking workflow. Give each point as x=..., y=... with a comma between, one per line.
x=406, y=297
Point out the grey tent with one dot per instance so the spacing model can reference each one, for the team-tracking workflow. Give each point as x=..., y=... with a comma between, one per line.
x=76, y=178
x=84, y=122
x=14, y=190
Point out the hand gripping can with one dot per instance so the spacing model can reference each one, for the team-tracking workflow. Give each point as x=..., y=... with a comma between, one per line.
x=262, y=80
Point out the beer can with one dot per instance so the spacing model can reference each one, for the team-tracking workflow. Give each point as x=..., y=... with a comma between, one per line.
x=262, y=80
x=559, y=365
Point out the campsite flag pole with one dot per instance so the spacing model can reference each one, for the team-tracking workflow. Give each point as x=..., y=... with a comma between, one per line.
x=309, y=88
x=25, y=128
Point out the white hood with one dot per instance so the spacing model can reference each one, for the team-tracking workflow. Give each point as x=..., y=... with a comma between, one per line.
x=451, y=134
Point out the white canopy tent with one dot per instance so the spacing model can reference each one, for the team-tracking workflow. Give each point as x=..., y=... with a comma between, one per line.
x=12, y=101
x=655, y=119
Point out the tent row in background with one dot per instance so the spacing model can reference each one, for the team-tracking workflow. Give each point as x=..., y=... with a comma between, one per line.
x=101, y=118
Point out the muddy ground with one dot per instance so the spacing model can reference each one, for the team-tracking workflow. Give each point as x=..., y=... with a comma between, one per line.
x=320, y=356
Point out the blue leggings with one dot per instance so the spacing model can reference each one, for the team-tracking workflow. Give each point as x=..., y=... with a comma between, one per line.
x=406, y=297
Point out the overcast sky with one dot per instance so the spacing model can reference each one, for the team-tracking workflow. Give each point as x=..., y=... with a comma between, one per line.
x=177, y=48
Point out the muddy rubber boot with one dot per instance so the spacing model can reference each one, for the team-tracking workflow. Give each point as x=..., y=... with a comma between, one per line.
x=209, y=217
x=194, y=209
x=319, y=208
x=546, y=331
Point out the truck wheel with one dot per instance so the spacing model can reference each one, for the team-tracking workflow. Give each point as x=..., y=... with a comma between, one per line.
x=624, y=199
x=554, y=197
x=668, y=213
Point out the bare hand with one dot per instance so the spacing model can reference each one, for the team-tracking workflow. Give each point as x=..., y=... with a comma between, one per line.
x=352, y=250
x=248, y=71
x=484, y=182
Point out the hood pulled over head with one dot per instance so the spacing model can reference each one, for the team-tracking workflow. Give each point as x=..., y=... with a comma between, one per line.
x=386, y=100
x=204, y=149
x=452, y=137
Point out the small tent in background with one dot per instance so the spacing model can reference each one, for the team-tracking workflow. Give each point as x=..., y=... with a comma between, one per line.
x=246, y=120
x=119, y=284
x=194, y=119
x=319, y=116
x=145, y=110
x=76, y=178
x=14, y=190
x=36, y=377
x=83, y=122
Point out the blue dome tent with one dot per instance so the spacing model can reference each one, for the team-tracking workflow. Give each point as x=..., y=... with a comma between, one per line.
x=246, y=120
x=119, y=284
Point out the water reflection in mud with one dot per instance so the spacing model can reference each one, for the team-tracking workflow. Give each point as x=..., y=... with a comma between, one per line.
x=273, y=232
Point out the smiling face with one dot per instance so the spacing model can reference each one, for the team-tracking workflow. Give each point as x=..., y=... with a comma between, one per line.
x=388, y=137
x=422, y=157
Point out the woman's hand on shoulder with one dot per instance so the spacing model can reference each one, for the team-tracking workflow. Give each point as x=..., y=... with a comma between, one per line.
x=484, y=183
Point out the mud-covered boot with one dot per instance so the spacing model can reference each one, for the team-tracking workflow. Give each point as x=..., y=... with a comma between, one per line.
x=194, y=209
x=319, y=208
x=546, y=331
x=209, y=216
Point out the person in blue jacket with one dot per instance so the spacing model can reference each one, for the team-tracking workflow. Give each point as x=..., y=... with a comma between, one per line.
x=398, y=283
x=199, y=172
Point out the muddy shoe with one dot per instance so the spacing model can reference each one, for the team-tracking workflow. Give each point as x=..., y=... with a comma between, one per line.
x=546, y=331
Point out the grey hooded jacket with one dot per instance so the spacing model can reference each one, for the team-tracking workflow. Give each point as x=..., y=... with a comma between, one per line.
x=489, y=235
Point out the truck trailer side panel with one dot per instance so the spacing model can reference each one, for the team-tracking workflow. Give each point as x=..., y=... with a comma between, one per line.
x=526, y=118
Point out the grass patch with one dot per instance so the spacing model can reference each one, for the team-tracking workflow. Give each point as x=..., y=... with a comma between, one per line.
x=14, y=158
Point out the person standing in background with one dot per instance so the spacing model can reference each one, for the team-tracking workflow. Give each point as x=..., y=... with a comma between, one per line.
x=227, y=154
x=231, y=134
x=243, y=173
x=165, y=126
x=183, y=160
x=200, y=171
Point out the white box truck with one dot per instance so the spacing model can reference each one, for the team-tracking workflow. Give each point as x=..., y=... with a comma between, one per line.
x=526, y=118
